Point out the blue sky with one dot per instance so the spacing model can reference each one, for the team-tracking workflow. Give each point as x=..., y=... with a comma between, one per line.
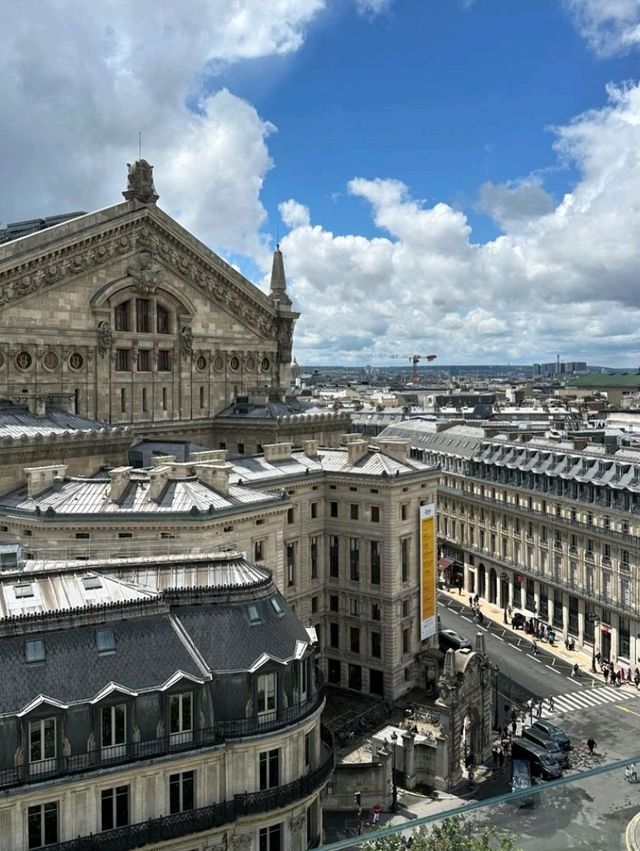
x=444, y=175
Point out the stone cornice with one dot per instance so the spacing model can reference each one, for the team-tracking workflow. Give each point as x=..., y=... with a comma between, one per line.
x=23, y=276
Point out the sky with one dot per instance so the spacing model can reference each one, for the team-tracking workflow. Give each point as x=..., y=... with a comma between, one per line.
x=451, y=176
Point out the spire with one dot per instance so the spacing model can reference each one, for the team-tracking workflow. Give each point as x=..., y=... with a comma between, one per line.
x=278, y=280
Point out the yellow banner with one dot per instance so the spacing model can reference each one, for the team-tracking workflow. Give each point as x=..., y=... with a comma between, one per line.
x=427, y=570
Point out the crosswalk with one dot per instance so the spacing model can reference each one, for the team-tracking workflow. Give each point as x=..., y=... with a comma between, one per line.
x=563, y=703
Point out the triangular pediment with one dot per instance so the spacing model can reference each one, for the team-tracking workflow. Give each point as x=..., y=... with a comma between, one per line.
x=47, y=259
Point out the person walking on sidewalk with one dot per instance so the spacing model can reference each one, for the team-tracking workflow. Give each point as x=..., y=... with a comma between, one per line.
x=574, y=670
x=591, y=744
x=552, y=704
x=534, y=647
x=598, y=658
x=605, y=672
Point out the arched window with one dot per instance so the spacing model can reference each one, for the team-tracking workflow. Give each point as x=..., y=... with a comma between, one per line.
x=122, y=313
x=143, y=316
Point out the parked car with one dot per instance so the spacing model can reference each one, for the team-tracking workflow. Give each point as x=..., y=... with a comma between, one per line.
x=544, y=741
x=541, y=761
x=554, y=732
x=521, y=779
x=450, y=639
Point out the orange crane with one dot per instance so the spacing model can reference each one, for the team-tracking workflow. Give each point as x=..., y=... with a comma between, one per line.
x=415, y=360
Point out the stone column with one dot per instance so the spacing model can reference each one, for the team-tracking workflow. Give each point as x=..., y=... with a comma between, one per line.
x=408, y=747
x=565, y=615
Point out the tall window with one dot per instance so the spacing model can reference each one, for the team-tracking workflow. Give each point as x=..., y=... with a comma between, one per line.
x=404, y=558
x=333, y=509
x=258, y=551
x=115, y=807
x=181, y=791
x=122, y=321
x=114, y=734
x=376, y=645
x=353, y=511
x=271, y=838
x=375, y=514
x=162, y=320
x=181, y=717
x=269, y=769
x=144, y=360
x=123, y=360
x=313, y=555
x=354, y=639
x=334, y=557
x=164, y=360
x=267, y=698
x=291, y=564
x=375, y=562
x=42, y=745
x=354, y=560
x=143, y=316
x=42, y=825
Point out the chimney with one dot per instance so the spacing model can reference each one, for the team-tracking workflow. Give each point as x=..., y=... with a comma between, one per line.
x=40, y=479
x=277, y=452
x=311, y=448
x=158, y=479
x=611, y=448
x=214, y=456
x=119, y=477
x=215, y=476
x=580, y=443
x=395, y=447
x=356, y=450
x=161, y=460
x=352, y=436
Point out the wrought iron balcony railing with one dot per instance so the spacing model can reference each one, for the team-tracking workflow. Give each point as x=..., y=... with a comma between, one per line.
x=145, y=834
x=99, y=759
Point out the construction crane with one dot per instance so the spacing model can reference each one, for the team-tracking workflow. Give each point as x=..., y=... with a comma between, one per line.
x=414, y=359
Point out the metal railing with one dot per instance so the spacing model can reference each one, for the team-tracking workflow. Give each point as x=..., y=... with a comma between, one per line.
x=98, y=759
x=210, y=817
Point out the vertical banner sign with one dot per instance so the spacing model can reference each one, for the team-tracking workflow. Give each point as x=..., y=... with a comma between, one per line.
x=427, y=570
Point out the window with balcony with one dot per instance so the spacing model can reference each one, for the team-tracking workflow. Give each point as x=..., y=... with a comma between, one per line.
x=266, y=694
x=269, y=769
x=113, y=730
x=181, y=792
x=606, y=553
x=624, y=560
x=115, y=807
x=42, y=825
x=625, y=592
x=42, y=746
x=181, y=718
x=270, y=838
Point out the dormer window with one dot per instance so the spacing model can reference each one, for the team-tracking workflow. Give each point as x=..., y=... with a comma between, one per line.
x=23, y=590
x=105, y=640
x=113, y=730
x=277, y=605
x=34, y=650
x=181, y=718
x=42, y=746
x=266, y=697
x=254, y=614
x=91, y=583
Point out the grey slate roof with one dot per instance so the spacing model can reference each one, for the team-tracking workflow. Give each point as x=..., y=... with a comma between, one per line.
x=459, y=440
x=16, y=421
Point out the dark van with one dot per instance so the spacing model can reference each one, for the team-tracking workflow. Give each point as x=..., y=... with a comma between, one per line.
x=542, y=762
x=538, y=737
x=449, y=639
x=521, y=779
x=554, y=732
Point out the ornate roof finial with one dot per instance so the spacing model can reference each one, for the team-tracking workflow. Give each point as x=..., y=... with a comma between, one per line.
x=140, y=183
x=278, y=280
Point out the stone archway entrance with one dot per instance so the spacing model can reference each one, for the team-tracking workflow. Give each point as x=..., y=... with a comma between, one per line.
x=493, y=586
x=482, y=581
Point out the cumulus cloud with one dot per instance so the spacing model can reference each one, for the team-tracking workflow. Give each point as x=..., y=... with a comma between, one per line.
x=563, y=278
x=294, y=215
x=77, y=88
x=514, y=205
x=609, y=26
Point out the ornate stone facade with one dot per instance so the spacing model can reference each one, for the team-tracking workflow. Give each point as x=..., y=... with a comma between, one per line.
x=134, y=318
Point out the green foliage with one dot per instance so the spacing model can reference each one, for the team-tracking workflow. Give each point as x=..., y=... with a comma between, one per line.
x=449, y=835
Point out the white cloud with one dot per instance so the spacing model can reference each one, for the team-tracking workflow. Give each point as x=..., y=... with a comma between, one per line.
x=563, y=278
x=609, y=26
x=370, y=8
x=77, y=88
x=294, y=215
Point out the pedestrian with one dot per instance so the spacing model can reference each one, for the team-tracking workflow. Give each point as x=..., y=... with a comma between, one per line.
x=477, y=599
x=539, y=709
x=500, y=757
x=552, y=704
x=534, y=648
x=377, y=809
x=513, y=727
x=470, y=601
x=480, y=617
x=591, y=744
x=494, y=755
x=574, y=670
x=605, y=673
x=628, y=675
x=459, y=587
x=598, y=658
x=636, y=677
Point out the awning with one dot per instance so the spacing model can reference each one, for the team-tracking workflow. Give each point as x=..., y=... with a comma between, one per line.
x=445, y=563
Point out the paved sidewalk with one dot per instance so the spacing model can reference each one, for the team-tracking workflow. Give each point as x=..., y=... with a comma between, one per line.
x=496, y=614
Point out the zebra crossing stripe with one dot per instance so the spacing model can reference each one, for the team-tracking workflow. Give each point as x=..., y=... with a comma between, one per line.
x=584, y=699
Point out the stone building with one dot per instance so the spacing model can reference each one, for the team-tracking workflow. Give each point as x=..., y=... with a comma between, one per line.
x=214, y=743
x=338, y=526
x=135, y=320
x=545, y=525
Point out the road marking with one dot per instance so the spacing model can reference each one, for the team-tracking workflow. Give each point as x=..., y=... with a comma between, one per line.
x=497, y=636
x=531, y=656
x=554, y=670
x=464, y=617
x=625, y=709
x=519, y=649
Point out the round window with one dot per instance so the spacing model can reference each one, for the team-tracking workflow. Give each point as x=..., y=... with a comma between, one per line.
x=50, y=360
x=76, y=360
x=234, y=363
x=265, y=364
x=250, y=364
x=218, y=364
x=201, y=362
x=23, y=360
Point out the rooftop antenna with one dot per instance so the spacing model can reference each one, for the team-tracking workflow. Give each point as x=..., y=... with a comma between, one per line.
x=139, y=144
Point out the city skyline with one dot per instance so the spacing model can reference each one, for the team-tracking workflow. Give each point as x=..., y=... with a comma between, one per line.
x=458, y=178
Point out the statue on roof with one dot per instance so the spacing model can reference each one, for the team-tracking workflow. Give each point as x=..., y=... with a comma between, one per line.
x=140, y=183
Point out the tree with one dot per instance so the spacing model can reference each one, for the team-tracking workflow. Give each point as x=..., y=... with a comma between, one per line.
x=450, y=835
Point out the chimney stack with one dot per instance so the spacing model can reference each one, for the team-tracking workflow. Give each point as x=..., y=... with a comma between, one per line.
x=119, y=477
x=40, y=479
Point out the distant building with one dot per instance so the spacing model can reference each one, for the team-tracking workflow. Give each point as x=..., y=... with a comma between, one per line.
x=559, y=367
x=615, y=385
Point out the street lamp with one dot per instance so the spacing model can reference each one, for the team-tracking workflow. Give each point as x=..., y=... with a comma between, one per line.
x=503, y=578
x=496, y=717
x=394, y=785
x=595, y=620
